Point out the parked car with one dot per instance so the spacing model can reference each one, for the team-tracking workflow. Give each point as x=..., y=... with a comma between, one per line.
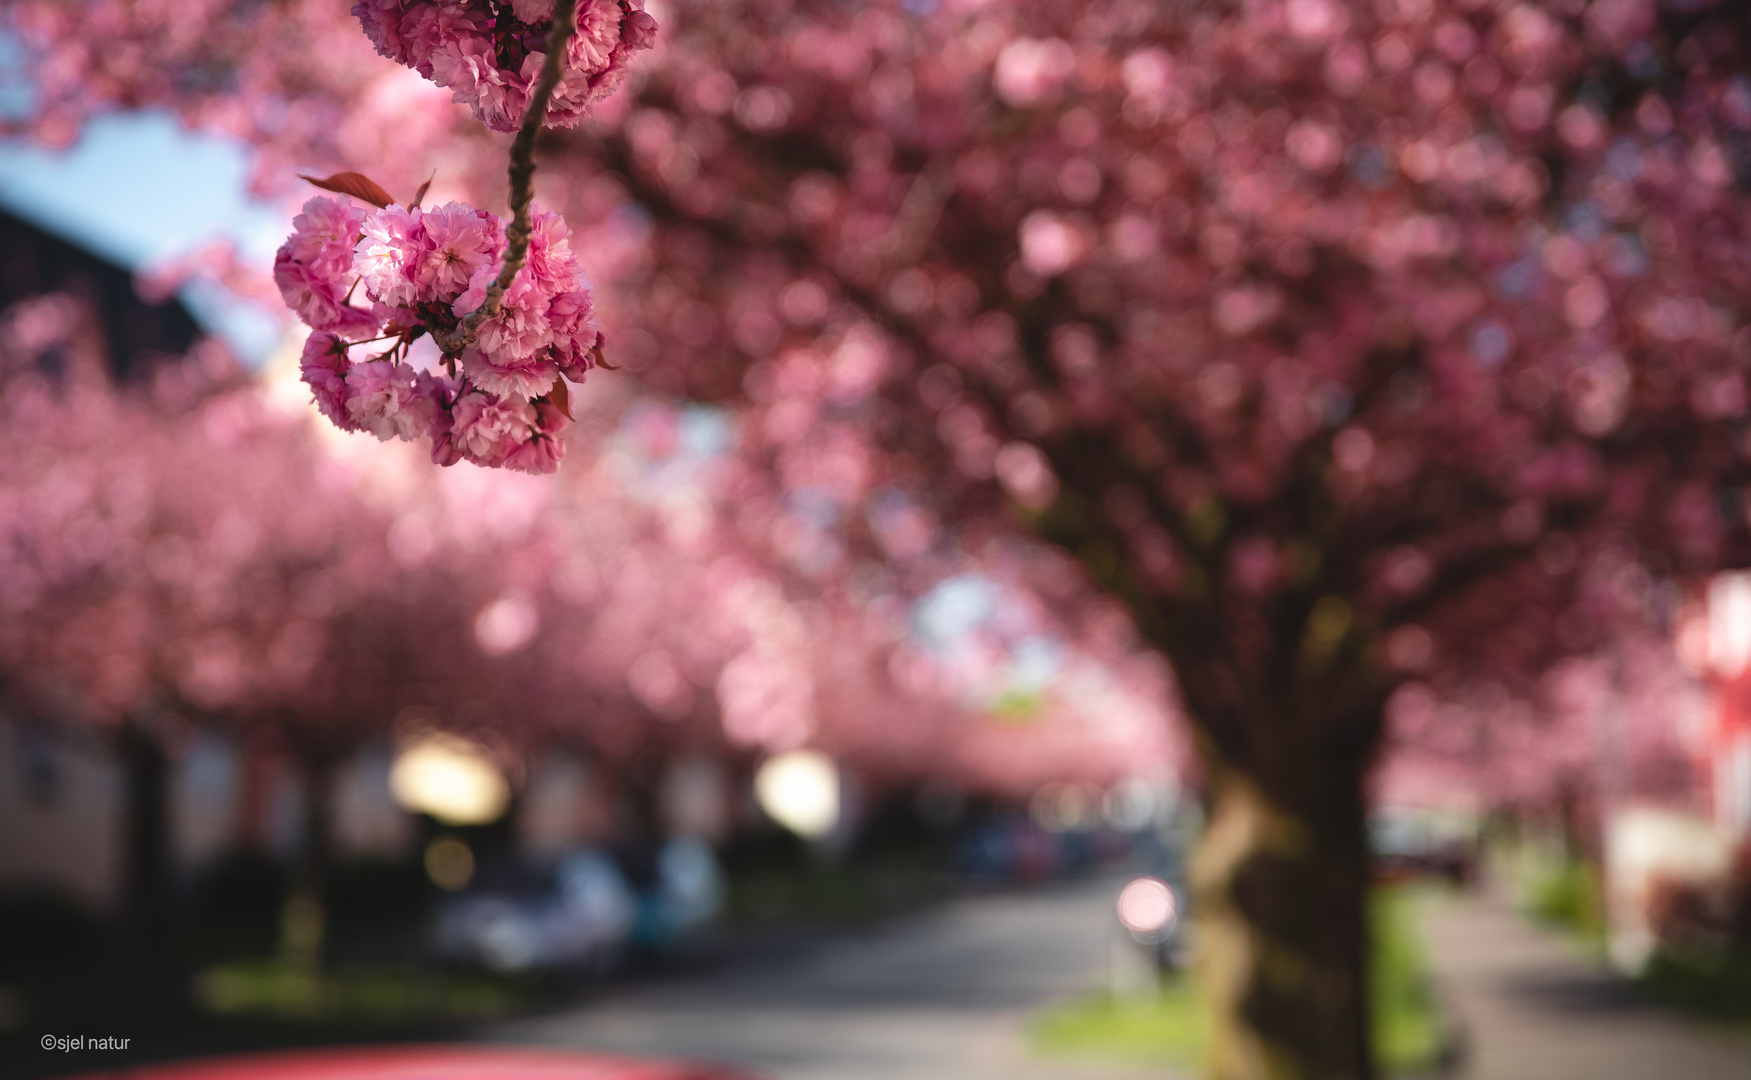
x=684, y=900
x=1008, y=848
x=1412, y=843
x=427, y=1063
x=574, y=912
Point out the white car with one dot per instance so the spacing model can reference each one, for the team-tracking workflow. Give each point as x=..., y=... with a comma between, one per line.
x=574, y=912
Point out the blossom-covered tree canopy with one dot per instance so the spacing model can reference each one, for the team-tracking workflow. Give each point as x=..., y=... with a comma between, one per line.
x=153, y=561
x=1350, y=344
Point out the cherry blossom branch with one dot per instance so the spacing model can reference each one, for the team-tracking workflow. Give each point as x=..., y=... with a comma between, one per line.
x=522, y=177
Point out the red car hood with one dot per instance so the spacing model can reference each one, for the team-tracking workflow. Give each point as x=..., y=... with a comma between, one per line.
x=427, y=1063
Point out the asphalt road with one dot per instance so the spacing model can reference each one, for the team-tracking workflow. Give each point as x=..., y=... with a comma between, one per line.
x=939, y=995
x=944, y=995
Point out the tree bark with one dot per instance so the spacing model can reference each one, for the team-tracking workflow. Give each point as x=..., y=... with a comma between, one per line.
x=1280, y=893
x=304, y=918
x=146, y=823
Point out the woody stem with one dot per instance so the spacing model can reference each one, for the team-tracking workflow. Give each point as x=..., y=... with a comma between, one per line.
x=522, y=178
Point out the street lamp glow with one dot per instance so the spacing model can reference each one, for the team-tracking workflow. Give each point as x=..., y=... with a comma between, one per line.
x=800, y=790
x=451, y=780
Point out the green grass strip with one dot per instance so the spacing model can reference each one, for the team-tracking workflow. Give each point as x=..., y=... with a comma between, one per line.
x=1170, y=1029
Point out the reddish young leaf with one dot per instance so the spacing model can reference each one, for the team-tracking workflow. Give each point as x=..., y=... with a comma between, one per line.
x=358, y=185
x=597, y=355
x=561, y=395
x=419, y=196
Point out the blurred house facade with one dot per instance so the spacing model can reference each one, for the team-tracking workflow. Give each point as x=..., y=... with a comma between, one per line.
x=62, y=785
x=1672, y=871
x=1715, y=642
x=60, y=813
x=62, y=809
x=137, y=331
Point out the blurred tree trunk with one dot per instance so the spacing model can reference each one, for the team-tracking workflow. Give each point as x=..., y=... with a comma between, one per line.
x=637, y=830
x=303, y=922
x=1289, y=716
x=146, y=829
x=1280, y=885
x=258, y=771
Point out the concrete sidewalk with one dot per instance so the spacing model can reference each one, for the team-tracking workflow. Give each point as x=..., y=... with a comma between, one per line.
x=1530, y=1008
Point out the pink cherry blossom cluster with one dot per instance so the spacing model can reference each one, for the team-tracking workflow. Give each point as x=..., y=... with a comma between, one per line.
x=489, y=52
x=422, y=271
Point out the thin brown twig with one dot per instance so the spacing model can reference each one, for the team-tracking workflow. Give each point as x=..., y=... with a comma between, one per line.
x=522, y=176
